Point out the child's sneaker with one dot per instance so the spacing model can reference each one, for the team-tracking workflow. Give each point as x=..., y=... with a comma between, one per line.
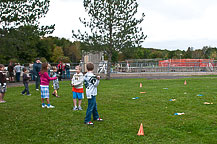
x=88, y=123
x=28, y=94
x=99, y=119
x=3, y=101
x=44, y=106
x=80, y=108
x=50, y=106
x=22, y=94
x=75, y=108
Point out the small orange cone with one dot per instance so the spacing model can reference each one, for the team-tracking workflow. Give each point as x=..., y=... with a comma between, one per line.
x=185, y=83
x=140, y=132
x=140, y=85
x=142, y=92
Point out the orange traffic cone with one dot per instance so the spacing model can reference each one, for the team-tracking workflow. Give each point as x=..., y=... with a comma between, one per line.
x=140, y=132
x=185, y=83
x=140, y=85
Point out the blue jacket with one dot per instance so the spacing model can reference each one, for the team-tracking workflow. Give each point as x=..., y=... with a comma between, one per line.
x=36, y=68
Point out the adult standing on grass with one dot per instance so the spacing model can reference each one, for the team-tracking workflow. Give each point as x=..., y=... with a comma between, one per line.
x=67, y=67
x=31, y=71
x=11, y=72
x=60, y=70
x=18, y=71
x=45, y=79
x=36, y=70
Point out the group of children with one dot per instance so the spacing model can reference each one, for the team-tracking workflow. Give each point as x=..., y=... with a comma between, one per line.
x=90, y=80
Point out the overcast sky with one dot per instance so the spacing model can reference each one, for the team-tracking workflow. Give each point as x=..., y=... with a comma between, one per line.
x=169, y=24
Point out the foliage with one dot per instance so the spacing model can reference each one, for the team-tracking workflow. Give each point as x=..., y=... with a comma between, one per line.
x=151, y=53
x=13, y=60
x=57, y=53
x=19, y=28
x=14, y=13
x=64, y=59
x=20, y=43
x=24, y=121
x=113, y=27
x=43, y=60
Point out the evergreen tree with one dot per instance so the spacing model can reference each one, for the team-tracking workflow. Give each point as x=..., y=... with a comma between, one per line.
x=113, y=27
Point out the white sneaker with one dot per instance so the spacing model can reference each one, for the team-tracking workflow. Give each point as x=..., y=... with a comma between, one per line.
x=75, y=108
x=37, y=89
x=88, y=123
x=44, y=106
x=50, y=106
x=79, y=108
x=99, y=119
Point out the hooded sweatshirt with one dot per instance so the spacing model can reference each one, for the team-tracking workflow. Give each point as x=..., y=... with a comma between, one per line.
x=45, y=79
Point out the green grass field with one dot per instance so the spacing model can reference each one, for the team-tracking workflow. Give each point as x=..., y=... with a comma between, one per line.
x=22, y=120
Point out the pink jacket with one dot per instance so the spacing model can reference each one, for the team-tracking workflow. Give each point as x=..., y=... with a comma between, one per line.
x=45, y=79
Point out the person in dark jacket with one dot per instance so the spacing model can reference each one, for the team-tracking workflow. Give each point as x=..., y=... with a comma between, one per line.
x=26, y=82
x=11, y=72
x=60, y=70
x=3, y=86
x=36, y=70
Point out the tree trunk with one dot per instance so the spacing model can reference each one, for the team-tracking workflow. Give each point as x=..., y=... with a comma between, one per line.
x=109, y=51
x=108, y=76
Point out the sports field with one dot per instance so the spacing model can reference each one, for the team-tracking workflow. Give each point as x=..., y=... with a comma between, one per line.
x=22, y=120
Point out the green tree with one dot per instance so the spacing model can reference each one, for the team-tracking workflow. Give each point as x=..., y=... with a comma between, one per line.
x=113, y=27
x=57, y=54
x=188, y=53
x=44, y=48
x=64, y=59
x=16, y=13
x=213, y=54
x=20, y=43
x=19, y=26
x=197, y=54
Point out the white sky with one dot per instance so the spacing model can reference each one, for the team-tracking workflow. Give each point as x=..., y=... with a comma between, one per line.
x=169, y=24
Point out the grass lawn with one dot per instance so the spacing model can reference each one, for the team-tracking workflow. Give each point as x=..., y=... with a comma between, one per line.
x=24, y=121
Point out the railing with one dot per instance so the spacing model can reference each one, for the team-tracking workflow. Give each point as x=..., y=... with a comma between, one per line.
x=138, y=67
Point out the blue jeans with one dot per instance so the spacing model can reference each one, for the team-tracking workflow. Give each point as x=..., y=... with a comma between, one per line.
x=68, y=74
x=26, y=90
x=37, y=82
x=64, y=74
x=48, y=72
x=92, y=108
x=18, y=76
x=32, y=75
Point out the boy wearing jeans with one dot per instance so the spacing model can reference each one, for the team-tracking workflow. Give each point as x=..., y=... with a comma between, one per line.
x=91, y=82
x=26, y=82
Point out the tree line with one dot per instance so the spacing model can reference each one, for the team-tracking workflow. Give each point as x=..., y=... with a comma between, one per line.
x=207, y=52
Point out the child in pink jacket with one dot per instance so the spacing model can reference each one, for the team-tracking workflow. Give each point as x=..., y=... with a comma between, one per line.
x=45, y=79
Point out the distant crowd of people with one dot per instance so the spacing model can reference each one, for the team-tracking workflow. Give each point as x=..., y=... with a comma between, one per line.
x=15, y=70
